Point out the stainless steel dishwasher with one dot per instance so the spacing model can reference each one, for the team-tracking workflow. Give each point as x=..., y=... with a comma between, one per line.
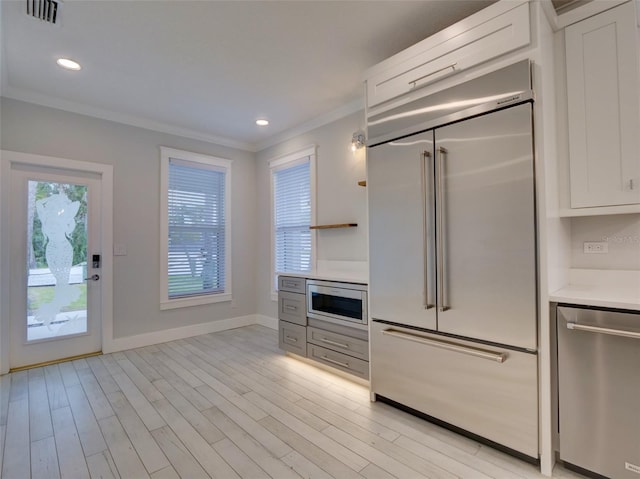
x=599, y=390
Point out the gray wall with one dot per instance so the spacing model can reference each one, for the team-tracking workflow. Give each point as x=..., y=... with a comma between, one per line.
x=339, y=199
x=135, y=155
x=622, y=232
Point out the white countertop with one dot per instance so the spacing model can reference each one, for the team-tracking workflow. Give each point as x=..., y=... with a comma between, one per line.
x=331, y=276
x=345, y=271
x=603, y=288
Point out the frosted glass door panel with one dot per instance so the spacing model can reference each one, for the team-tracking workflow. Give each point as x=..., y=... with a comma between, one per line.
x=56, y=260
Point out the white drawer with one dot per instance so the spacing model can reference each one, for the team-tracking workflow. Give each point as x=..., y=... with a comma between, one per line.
x=292, y=337
x=349, y=364
x=339, y=342
x=468, y=43
x=292, y=307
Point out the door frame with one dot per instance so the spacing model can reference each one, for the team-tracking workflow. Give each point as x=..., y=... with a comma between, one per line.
x=7, y=160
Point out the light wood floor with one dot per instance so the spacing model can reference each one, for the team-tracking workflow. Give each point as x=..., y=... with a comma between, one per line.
x=223, y=405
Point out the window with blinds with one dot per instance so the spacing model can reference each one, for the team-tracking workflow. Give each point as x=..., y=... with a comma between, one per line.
x=195, y=227
x=292, y=217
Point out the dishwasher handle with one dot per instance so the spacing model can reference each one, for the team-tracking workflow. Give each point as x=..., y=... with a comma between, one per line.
x=599, y=330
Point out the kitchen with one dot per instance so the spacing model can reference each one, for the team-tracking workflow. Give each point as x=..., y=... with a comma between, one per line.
x=403, y=267
x=344, y=252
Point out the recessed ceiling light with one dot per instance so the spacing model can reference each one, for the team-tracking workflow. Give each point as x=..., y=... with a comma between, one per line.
x=68, y=64
x=262, y=122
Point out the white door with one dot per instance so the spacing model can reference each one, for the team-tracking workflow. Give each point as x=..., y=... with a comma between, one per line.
x=55, y=264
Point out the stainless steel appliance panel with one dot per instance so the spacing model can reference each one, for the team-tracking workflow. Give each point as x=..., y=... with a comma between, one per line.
x=342, y=303
x=599, y=390
x=486, y=228
x=401, y=231
x=485, y=390
x=495, y=89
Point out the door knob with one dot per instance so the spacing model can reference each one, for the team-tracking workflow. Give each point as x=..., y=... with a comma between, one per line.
x=95, y=277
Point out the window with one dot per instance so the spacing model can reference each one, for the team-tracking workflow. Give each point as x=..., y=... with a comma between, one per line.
x=293, y=212
x=195, y=229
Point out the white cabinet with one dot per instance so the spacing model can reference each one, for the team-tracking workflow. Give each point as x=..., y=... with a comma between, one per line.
x=604, y=109
x=501, y=28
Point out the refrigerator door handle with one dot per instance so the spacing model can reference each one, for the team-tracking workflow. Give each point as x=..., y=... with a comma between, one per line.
x=442, y=260
x=599, y=330
x=427, y=303
x=479, y=353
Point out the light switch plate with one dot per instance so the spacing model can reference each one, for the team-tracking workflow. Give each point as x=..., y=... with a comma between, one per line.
x=119, y=249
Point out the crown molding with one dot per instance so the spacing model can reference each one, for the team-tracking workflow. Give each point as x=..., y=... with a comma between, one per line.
x=338, y=113
x=82, y=109
x=104, y=114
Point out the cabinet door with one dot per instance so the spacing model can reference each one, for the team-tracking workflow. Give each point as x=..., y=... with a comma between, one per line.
x=604, y=124
x=472, y=41
x=401, y=253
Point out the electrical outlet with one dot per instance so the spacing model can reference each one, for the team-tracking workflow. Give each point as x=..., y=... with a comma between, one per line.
x=596, y=247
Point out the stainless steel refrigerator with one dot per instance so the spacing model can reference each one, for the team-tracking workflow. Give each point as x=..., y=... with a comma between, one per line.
x=452, y=239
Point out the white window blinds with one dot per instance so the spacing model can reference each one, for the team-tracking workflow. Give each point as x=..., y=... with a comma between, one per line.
x=196, y=209
x=292, y=217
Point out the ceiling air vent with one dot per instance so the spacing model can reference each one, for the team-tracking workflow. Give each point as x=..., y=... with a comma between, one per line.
x=45, y=10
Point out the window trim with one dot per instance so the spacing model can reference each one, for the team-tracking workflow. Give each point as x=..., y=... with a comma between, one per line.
x=165, y=155
x=278, y=163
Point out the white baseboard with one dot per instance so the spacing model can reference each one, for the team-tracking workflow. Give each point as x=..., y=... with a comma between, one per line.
x=156, y=337
x=267, y=321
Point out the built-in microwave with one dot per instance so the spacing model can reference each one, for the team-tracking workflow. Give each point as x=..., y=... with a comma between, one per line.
x=337, y=302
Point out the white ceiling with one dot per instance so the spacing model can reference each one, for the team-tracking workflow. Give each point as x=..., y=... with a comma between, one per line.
x=208, y=69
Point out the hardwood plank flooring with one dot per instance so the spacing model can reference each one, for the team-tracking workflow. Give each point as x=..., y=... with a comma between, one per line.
x=223, y=405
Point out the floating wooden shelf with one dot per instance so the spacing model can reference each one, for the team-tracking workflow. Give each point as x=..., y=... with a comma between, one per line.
x=362, y=183
x=339, y=225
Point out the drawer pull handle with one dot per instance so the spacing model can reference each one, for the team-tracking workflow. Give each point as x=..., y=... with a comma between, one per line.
x=595, y=329
x=292, y=339
x=479, y=353
x=339, y=363
x=334, y=343
x=413, y=83
x=291, y=308
x=290, y=284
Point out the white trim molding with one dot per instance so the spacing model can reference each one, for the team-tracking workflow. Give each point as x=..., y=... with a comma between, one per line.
x=335, y=115
x=267, y=321
x=7, y=160
x=36, y=98
x=21, y=94
x=287, y=161
x=166, y=154
x=165, y=335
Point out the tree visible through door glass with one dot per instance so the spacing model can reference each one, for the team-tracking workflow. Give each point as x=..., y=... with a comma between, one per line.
x=56, y=260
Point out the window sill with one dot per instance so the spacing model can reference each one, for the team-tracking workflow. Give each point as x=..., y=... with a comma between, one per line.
x=196, y=301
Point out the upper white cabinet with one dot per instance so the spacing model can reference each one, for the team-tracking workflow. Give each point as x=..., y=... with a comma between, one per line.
x=604, y=109
x=498, y=29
